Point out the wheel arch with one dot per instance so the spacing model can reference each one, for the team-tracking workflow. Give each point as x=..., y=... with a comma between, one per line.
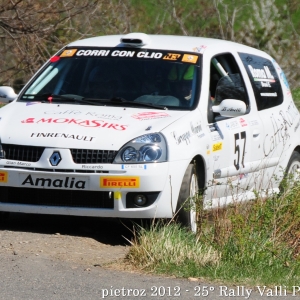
x=200, y=165
x=297, y=149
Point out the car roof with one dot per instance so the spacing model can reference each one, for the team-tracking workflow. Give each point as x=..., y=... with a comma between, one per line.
x=166, y=42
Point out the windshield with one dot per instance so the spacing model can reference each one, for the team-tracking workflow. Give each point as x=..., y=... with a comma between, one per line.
x=94, y=76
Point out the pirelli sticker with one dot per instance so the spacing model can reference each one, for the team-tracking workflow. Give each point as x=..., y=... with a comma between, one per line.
x=3, y=177
x=190, y=58
x=125, y=182
x=68, y=53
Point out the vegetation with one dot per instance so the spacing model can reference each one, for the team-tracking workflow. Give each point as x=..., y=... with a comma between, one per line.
x=32, y=31
x=255, y=243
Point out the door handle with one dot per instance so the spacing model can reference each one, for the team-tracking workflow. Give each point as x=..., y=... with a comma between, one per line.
x=256, y=133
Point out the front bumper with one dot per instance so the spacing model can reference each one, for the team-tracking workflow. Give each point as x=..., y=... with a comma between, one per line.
x=90, y=190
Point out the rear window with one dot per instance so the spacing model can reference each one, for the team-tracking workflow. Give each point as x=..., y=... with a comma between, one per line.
x=264, y=80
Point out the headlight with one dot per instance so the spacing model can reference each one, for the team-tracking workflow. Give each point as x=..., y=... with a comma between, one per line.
x=146, y=148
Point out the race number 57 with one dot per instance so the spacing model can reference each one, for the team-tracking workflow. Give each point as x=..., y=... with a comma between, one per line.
x=239, y=149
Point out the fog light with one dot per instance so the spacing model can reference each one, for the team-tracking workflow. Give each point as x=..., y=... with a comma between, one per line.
x=140, y=200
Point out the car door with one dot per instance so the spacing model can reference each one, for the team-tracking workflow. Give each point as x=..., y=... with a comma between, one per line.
x=237, y=151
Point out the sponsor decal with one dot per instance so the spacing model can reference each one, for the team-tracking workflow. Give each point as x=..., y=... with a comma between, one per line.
x=196, y=129
x=208, y=149
x=3, y=176
x=149, y=115
x=190, y=58
x=80, y=122
x=233, y=125
x=89, y=167
x=261, y=74
x=172, y=56
x=243, y=122
x=155, y=55
x=68, y=53
x=254, y=122
x=216, y=157
x=183, y=137
x=269, y=94
x=231, y=109
x=77, y=112
x=120, y=182
x=78, y=137
x=217, y=147
x=62, y=183
x=136, y=167
x=18, y=163
x=216, y=136
x=93, y=52
x=200, y=49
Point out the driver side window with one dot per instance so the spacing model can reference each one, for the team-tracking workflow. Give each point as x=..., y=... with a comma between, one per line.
x=225, y=83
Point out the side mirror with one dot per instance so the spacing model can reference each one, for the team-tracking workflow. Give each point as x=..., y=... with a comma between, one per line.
x=7, y=94
x=230, y=108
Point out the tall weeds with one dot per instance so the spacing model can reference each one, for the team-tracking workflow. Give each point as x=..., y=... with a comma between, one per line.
x=257, y=242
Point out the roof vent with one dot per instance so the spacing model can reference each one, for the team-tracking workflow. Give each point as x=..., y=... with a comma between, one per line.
x=135, y=39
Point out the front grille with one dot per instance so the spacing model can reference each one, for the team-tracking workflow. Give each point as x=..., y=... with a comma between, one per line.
x=52, y=197
x=87, y=156
x=80, y=156
x=22, y=153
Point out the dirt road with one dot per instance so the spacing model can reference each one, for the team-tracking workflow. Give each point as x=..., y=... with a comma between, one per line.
x=61, y=257
x=85, y=241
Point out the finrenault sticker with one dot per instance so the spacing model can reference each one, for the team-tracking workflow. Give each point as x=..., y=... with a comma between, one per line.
x=120, y=182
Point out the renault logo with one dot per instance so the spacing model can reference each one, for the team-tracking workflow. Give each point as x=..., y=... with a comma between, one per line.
x=55, y=158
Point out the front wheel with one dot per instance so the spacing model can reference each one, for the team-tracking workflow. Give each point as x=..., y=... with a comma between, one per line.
x=188, y=200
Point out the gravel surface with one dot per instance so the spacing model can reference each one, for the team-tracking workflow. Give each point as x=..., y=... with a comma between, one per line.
x=62, y=257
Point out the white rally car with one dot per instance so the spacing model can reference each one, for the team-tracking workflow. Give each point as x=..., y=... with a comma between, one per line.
x=132, y=126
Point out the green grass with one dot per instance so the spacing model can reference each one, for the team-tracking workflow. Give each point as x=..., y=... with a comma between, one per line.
x=257, y=243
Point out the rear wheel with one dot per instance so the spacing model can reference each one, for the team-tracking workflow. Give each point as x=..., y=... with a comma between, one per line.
x=292, y=173
x=188, y=200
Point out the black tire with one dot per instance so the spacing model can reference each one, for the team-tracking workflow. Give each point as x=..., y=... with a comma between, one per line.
x=186, y=205
x=292, y=172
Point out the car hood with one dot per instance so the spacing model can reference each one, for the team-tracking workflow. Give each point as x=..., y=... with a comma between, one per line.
x=78, y=126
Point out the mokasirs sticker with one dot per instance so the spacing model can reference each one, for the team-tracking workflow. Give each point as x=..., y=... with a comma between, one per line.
x=120, y=182
x=3, y=176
